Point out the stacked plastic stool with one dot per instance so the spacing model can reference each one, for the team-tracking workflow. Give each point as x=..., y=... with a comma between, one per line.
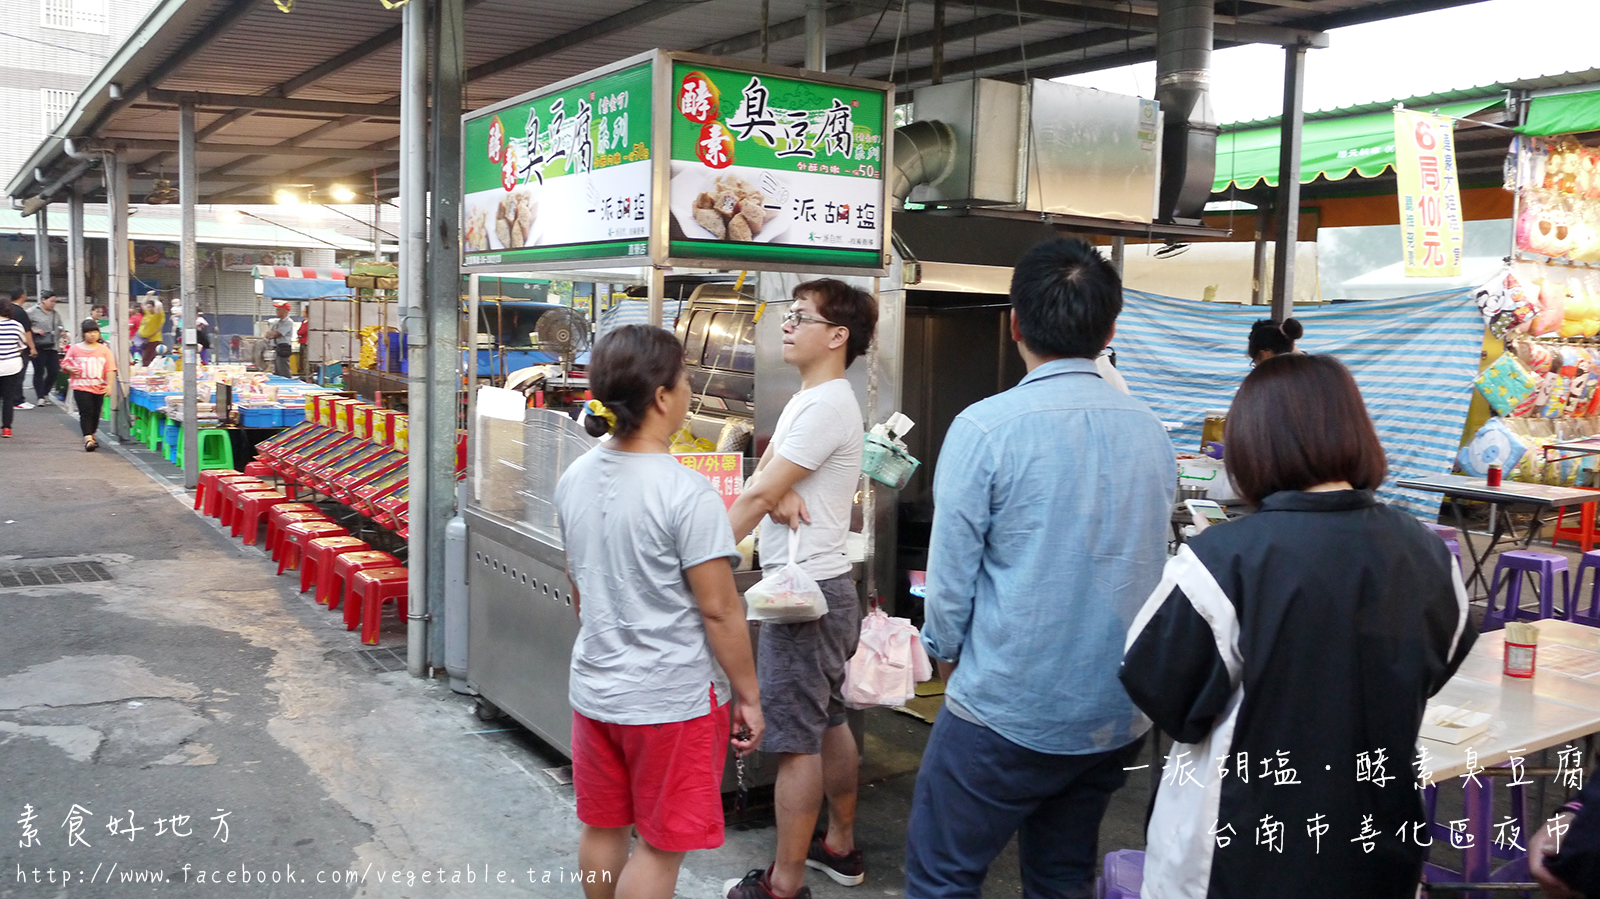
x=295, y=535
x=208, y=484
x=251, y=513
x=284, y=514
x=1510, y=571
x=372, y=588
x=343, y=570
x=316, y=560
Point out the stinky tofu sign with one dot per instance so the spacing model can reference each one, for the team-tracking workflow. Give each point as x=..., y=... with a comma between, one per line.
x=767, y=168
x=561, y=174
x=677, y=159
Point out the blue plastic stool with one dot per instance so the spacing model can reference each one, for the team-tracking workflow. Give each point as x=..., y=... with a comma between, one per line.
x=1123, y=875
x=1509, y=572
x=172, y=442
x=1591, y=615
x=1445, y=532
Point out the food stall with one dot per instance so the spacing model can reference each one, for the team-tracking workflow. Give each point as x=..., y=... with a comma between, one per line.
x=661, y=160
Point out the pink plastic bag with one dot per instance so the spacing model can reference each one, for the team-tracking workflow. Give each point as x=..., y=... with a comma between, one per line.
x=888, y=664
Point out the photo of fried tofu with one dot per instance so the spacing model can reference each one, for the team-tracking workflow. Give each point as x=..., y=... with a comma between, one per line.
x=515, y=218
x=712, y=221
x=475, y=236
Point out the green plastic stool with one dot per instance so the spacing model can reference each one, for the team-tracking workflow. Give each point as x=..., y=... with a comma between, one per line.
x=216, y=449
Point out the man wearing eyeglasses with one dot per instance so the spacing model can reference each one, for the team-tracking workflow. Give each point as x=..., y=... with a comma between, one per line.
x=807, y=479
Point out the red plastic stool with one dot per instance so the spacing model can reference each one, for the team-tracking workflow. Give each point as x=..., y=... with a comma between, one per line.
x=251, y=512
x=377, y=586
x=208, y=483
x=233, y=514
x=284, y=514
x=260, y=470
x=317, y=555
x=1585, y=534
x=294, y=536
x=220, y=501
x=343, y=571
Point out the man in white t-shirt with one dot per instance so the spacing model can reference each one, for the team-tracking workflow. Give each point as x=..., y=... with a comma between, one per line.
x=808, y=479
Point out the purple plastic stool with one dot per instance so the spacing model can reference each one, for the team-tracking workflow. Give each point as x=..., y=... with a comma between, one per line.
x=1509, y=571
x=1123, y=877
x=1445, y=531
x=1590, y=617
x=1455, y=550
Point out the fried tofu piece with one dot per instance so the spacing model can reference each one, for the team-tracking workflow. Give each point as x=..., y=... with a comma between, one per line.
x=739, y=229
x=754, y=214
x=727, y=204
x=711, y=221
x=704, y=201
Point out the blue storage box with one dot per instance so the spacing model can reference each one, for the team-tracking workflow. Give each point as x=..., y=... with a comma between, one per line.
x=289, y=416
x=392, y=347
x=261, y=417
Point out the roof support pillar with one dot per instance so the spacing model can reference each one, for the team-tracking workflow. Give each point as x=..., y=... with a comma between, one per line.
x=1258, y=269
x=188, y=277
x=444, y=301
x=117, y=289
x=1288, y=204
x=413, y=257
x=76, y=310
x=41, y=249
x=817, y=35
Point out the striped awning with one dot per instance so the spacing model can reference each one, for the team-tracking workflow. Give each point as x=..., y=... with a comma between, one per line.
x=284, y=271
x=1413, y=357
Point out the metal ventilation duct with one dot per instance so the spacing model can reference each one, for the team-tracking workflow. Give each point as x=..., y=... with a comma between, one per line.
x=924, y=152
x=1183, y=88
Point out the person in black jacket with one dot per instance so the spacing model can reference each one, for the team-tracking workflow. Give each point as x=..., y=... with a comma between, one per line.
x=1290, y=654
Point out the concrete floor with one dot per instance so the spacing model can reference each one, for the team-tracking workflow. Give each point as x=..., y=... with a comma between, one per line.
x=196, y=684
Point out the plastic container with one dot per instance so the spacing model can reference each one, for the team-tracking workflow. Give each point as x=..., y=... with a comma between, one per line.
x=260, y=417
x=290, y=416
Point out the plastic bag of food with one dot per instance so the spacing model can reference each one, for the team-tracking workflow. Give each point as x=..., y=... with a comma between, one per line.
x=788, y=595
x=888, y=664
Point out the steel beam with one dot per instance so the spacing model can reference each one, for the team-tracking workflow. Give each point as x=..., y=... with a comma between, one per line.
x=928, y=40
x=171, y=146
x=444, y=305
x=297, y=140
x=188, y=263
x=286, y=104
x=1288, y=200
x=789, y=28
x=1011, y=56
x=631, y=18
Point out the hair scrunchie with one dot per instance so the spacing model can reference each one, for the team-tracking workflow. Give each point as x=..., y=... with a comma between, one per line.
x=599, y=410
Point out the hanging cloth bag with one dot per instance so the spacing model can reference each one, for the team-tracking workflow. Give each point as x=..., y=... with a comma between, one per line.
x=888, y=664
x=788, y=595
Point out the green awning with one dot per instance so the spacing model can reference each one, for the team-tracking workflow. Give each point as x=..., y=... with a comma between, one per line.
x=1563, y=114
x=1332, y=148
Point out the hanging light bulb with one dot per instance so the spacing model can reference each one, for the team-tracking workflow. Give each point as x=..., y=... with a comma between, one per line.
x=230, y=216
x=286, y=197
x=342, y=194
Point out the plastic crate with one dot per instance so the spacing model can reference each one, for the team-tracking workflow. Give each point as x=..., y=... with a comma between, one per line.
x=261, y=417
x=289, y=416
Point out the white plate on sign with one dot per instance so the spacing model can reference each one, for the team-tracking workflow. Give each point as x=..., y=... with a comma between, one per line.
x=690, y=180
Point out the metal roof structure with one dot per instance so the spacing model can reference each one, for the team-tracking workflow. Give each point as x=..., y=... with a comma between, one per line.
x=309, y=98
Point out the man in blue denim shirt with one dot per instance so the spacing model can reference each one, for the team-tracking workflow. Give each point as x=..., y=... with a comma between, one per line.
x=1052, y=504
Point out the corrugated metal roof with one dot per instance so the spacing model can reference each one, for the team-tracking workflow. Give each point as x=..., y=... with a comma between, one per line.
x=249, y=47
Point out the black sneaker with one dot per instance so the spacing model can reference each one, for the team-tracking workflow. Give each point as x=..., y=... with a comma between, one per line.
x=755, y=885
x=846, y=870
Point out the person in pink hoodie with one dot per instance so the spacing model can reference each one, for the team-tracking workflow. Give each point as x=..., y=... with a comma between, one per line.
x=91, y=368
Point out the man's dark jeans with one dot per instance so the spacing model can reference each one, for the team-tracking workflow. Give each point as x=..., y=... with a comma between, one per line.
x=46, y=368
x=976, y=789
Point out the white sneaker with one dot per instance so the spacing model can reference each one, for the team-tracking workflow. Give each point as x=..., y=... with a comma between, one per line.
x=45, y=401
x=24, y=405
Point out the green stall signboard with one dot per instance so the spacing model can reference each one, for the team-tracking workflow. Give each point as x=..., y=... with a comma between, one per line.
x=768, y=170
x=559, y=175
x=673, y=159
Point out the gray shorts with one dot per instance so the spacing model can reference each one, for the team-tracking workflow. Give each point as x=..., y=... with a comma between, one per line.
x=800, y=668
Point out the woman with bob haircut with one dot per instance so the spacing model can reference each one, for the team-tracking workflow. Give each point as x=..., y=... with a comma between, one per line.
x=661, y=628
x=1290, y=654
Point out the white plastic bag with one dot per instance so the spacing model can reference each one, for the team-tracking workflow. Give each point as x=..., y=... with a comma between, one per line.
x=888, y=664
x=788, y=595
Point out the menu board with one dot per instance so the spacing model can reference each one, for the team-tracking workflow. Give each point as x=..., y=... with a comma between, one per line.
x=560, y=174
x=774, y=169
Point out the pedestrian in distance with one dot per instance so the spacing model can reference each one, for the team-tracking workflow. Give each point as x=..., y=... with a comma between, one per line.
x=150, y=327
x=807, y=480
x=18, y=311
x=1299, y=645
x=1269, y=338
x=49, y=333
x=91, y=367
x=281, y=334
x=1032, y=584
x=16, y=345
x=662, y=634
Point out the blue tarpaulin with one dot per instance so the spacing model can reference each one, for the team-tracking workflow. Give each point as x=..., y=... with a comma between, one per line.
x=304, y=289
x=1413, y=357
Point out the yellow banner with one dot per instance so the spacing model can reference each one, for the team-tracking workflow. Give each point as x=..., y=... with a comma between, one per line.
x=1430, y=194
